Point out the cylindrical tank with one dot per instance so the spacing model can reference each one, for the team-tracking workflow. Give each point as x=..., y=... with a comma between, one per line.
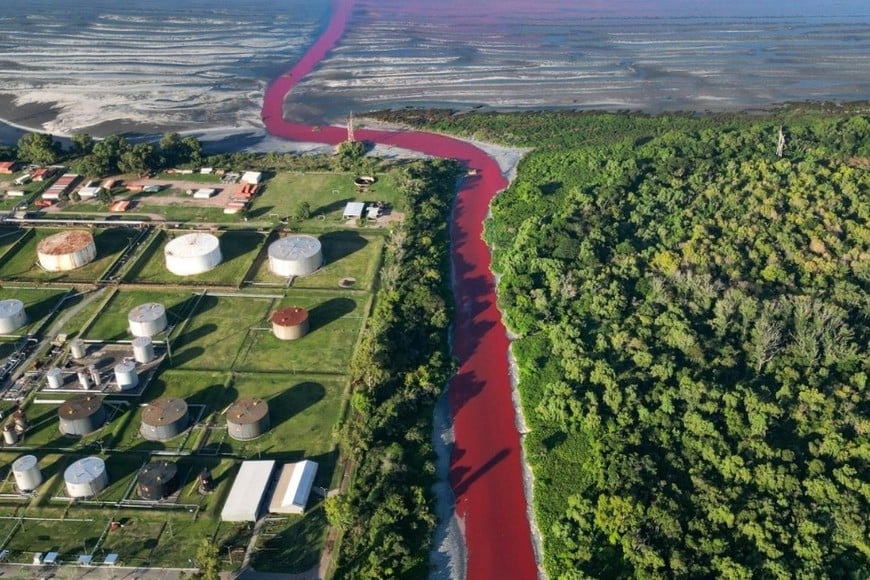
x=192, y=254
x=84, y=379
x=290, y=323
x=95, y=375
x=77, y=349
x=157, y=480
x=126, y=375
x=12, y=315
x=55, y=378
x=147, y=319
x=164, y=419
x=81, y=415
x=295, y=255
x=86, y=477
x=66, y=251
x=27, y=473
x=10, y=435
x=19, y=419
x=143, y=349
x=248, y=419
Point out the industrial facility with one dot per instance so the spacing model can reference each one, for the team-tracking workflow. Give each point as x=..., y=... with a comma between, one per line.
x=249, y=489
x=86, y=477
x=290, y=323
x=248, y=419
x=12, y=315
x=295, y=255
x=126, y=375
x=293, y=488
x=143, y=349
x=192, y=254
x=66, y=251
x=157, y=480
x=81, y=415
x=147, y=319
x=26, y=471
x=54, y=378
x=164, y=419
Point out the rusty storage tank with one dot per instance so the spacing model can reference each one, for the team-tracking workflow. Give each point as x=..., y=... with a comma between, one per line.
x=147, y=319
x=248, y=419
x=290, y=323
x=54, y=377
x=12, y=315
x=164, y=419
x=157, y=480
x=143, y=349
x=126, y=375
x=81, y=415
x=66, y=251
x=26, y=472
x=295, y=255
x=192, y=254
x=10, y=435
x=86, y=477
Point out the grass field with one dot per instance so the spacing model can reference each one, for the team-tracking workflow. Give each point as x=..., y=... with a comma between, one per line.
x=239, y=248
x=8, y=237
x=292, y=545
x=112, y=323
x=23, y=264
x=38, y=303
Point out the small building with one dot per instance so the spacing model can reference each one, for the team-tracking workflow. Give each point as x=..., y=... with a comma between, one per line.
x=252, y=177
x=90, y=192
x=354, y=210
x=294, y=487
x=8, y=167
x=249, y=488
x=204, y=193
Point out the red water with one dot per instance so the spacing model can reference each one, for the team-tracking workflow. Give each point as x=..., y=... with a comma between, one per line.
x=485, y=466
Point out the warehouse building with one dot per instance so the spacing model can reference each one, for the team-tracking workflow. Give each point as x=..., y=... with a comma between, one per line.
x=249, y=488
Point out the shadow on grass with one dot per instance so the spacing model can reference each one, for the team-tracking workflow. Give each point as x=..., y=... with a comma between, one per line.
x=338, y=245
x=237, y=244
x=294, y=400
x=336, y=205
x=330, y=311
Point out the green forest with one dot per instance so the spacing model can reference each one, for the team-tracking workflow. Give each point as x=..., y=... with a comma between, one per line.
x=692, y=298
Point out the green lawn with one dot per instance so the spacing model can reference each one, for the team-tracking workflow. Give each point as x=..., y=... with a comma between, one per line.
x=292, y=545
x=239, y=249
x=23, y=264
x=334, y=324
x=38, y=303
x=111, y=323
x=8, y=237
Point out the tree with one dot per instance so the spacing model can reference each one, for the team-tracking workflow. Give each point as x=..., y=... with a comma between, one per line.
x=140, y=159
x=38, y=148
x=108, y=151
x=82, y=144
x=207, y=560
x=172, y=149
x=192, y=150
x=302, y=211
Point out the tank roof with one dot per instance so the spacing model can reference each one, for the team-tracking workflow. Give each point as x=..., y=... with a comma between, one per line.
x=247, y=411
x=84, y=470
x=148, y=312
x=125, y=367
x=295, y=247
x=157, y=472
x=164, y=411
x=192, y=245
x=65, y=242
x=24, y=463
x=291, y=316
x=80, y=406
x=11, y=306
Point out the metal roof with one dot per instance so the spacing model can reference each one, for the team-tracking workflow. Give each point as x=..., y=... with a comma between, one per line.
x=246, y=495
x=192, y=245
x=11, y=306
x=247, y=411
x=148, y=312
x=294, y=247
x=294, y=487
x=164, y=411
x=84, y=470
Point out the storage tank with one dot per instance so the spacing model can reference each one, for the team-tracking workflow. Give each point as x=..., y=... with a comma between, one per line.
x=77, y=349
x=81, y=415
x=295, y=255
x=10, y=435
x=147, y=319
x=55, y=378
x=290, y=323
x=86, y=477
x=95, y=375
x=248, y=419
x=12, y=315
x=192, y=254
x=66, y=251
x=84, y=379
x=143, y=349
x=19, y=420
x=164, y=419
x=157, y=480
x=26, y=472
x=126, y=375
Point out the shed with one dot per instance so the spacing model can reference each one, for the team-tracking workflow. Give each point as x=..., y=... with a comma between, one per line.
x=246, y=496
x=294, y=487
x=354, y=210
x=252, y=177
x=8, y=167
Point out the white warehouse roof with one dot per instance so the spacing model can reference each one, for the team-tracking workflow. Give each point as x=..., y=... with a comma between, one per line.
x=252, y=177
x=294, y=487
x=354, y=209
x=246, y=496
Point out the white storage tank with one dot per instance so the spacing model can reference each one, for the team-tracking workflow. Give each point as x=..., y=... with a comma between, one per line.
x=143, y=349
x=147, y=319
x=77, y=349
x=12, y=315
x=66, y=251
x=192, y=254
x=55, y=378
x=86, y=477
x=126, y=375
x=84, y=379
x=296, y=255
x=27, y=473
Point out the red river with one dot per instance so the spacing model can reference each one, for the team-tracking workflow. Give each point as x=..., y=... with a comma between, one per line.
x=486, y=463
